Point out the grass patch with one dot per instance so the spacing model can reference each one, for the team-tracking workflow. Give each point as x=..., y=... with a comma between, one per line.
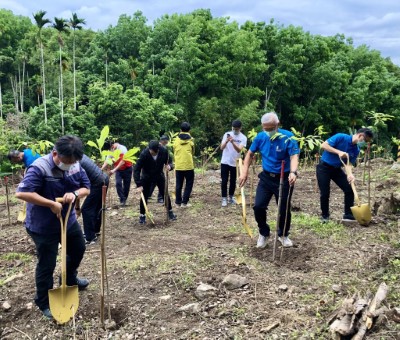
x=182, y=267
x=241, y=254
x=313, y=223
x=16, y=256
x=391, y=276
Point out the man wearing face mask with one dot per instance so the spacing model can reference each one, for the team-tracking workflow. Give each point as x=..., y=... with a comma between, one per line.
x=346, y=147
x=149, y=169
x=274, y=145
x=232, y=143
x=57, y=174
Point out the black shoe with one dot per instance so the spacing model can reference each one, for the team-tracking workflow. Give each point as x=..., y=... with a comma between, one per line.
x=348, y=218
x=325, y=219
x=123, y=203
x=81, y=283
x=160, y=200
x=142, y=219
x=93, y=241
x=171, y=215
x=47, y=314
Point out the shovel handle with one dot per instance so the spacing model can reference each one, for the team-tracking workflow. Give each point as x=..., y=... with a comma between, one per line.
x=353, y=187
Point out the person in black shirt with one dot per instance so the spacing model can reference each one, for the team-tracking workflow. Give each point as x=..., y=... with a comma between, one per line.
x=149, y=169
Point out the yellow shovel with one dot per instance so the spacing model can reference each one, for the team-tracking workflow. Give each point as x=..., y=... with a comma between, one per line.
x=361, y=212
x=64, y=301
x=22, y=214
x=148, y=214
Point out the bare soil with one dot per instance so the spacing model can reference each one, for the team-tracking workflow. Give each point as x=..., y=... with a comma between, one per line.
x=154, y=270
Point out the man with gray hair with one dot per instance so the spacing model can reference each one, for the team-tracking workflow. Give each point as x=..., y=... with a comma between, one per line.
x=275, y=145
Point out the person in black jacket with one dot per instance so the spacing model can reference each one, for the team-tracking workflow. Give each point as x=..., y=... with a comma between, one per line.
x=91, y=208
x=149, y=169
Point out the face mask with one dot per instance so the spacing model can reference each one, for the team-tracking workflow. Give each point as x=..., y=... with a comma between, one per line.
x=270, y=133
x=64, y=167
x=236, y=132
x=361, y=144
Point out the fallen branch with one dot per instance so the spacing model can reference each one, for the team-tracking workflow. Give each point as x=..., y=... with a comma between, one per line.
x=13, y=277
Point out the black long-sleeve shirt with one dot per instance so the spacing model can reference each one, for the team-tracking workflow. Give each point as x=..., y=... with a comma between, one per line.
x=149, y=170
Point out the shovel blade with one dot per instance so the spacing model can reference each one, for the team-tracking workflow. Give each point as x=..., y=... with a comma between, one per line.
x=22, y=214
x=238, y=198
x=63, y=305
x=362, y=213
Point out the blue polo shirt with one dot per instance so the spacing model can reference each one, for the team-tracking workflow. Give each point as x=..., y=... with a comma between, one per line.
x=46, y=179
x=281, y=147
x=29, y=157
x=342, y=142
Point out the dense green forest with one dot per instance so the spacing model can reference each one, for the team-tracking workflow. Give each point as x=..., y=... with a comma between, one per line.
x=141, y=79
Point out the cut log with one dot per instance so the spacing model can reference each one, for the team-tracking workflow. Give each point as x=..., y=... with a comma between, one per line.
x=377, y=300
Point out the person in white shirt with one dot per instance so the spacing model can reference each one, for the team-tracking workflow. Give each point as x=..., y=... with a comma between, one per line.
x=232, y=144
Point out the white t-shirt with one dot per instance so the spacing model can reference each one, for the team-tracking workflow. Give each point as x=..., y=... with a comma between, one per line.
x=122, y=148
x=229, y=154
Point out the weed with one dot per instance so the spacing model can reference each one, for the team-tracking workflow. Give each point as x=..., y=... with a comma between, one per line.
x=313, y=223
x=16, y=256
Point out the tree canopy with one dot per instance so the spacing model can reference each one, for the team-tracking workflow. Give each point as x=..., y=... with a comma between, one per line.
x=143, y=80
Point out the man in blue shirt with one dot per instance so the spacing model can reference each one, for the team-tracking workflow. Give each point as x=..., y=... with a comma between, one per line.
x=330, y=168
x=274, y=145
x=57, y=174
x=27, y=156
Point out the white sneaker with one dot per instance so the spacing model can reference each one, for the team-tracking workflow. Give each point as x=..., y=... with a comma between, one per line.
x=286, y=242
x=224, y=202
x=186, y=205
x=262, y=241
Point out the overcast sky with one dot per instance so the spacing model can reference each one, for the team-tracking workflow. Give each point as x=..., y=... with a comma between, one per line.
x=370, y=22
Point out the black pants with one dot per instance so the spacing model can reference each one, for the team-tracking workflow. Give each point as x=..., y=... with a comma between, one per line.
x=227, y=170
x=268, y=186
x=153, y=186
x=123, y=183
x=181, y=175
x=326, y=173
x=91, y=211
x=160, y=182
x=47, y=250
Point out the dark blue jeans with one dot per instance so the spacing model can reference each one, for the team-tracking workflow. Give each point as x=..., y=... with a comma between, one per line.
x=227, y=170
x=268, y=186
x=47, y=250
x=181, y=175
x=326, y=173
x=123, y=183
x=91, y=211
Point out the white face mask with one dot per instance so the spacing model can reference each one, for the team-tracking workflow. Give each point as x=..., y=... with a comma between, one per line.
x=64, y=167
x=270, y=133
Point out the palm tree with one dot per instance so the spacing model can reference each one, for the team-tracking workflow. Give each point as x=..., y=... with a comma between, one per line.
x=75, y=23
x=40, y=22
x=61, y=26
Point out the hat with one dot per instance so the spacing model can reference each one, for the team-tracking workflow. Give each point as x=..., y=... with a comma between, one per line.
x=164, y=137
x=237, y=124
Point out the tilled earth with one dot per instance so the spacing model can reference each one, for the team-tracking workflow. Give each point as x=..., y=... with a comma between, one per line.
x=154, y=270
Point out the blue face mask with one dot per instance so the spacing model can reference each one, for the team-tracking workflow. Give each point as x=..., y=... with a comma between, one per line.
x=236, y=132
x=270, y=133
x=361, y=144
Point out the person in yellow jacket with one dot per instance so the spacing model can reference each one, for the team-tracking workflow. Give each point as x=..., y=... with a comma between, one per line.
x=184, y=166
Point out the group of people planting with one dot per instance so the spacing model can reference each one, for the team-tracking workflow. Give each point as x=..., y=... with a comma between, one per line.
x=66, y=173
